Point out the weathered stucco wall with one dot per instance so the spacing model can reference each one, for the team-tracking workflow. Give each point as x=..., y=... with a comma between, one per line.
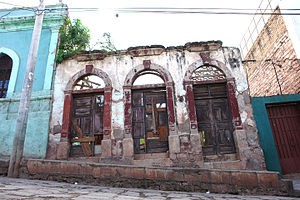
x=177, y=61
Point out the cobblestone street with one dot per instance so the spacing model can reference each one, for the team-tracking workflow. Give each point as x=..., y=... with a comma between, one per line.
x=36, y=189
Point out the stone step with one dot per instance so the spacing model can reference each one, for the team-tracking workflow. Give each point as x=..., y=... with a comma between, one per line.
x=157, y=162
x=85, y=159
x=163, y=178
x=150, y=156
x=296, y=184
x=295, y=193
x=232, y=164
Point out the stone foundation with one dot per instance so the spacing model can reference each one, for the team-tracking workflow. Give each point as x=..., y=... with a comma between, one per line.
x=163, y=178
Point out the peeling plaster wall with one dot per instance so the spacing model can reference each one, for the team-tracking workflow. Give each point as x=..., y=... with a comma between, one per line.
x=117, y=69
x=176, y=60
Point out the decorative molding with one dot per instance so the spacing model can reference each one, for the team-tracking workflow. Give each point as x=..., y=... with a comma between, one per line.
x=207, y=73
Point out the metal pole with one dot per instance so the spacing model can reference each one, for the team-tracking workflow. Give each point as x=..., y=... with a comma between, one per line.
x=18, y=142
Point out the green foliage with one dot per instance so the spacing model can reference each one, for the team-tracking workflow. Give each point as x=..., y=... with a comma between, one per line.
x=105, y=44
x=74, y=37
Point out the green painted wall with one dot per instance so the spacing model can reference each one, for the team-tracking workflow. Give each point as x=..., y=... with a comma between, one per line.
x=37, y=127
x=15, y=37
x=21, y=43
x=264, y=128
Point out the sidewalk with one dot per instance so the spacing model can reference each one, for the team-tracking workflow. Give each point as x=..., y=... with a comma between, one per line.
x=36, y=189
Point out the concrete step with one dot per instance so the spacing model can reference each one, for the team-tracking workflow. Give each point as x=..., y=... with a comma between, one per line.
x=295, y=193
x=296, y=184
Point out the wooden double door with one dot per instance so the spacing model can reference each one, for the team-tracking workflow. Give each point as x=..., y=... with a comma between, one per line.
x=285, y=123
x=87, y=124
x=214, y=119
x=150, y=121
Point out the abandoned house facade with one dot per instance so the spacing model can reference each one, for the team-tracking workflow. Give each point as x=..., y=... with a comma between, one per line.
x=183, y=106
x=272, y=66
x=16, y=26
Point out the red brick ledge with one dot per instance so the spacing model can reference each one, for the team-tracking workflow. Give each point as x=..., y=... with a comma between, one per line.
x=163, y=178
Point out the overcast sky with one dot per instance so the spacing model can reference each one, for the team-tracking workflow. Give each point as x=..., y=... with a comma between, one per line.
x=136, y=29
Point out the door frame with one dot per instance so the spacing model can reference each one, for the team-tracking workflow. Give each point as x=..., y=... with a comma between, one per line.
x=231, y=93
x=128, y=87
x=149, y=91
x=265, y=134
x=64, y=145
x=213, y=123
x=78, y=130
x=288, y=160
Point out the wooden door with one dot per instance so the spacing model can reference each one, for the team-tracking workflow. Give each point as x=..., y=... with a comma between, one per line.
x=150, y=125
x=87, y=124
x=214, y=120
x=285, y=123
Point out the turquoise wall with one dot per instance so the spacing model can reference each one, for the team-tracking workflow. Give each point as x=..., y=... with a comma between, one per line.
x=15, y=38
x=37, y=128
x=20, y=43
x=264, y=128
x=36, y=139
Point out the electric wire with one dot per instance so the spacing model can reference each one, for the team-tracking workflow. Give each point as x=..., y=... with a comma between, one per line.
x=10, y=4
x=182, y=10
x=209, y=8
x=203, y=12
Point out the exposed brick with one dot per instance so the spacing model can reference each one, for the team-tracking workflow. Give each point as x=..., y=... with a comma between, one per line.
x=277, y=46
x=221, y=177
x=184, y=179
x=246, y=179
x=104, y=172
x=221, y=188
x=138, y=173
x=160, y=174
x=150, y=173
x=174, y=175
x=123, y=172
x=268, y=180
x=200, y=176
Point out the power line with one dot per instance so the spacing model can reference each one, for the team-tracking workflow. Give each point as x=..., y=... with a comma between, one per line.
x=204, y=12
x=170, y=10
x=10, y=4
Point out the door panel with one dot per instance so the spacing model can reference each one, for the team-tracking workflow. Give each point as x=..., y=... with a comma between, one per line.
x=150, y=125
x=87, y=129
x=223, y=125
x=285, y=123
x=214, y=120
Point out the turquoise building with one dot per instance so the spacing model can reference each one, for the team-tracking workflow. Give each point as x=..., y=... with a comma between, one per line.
x=16, y=26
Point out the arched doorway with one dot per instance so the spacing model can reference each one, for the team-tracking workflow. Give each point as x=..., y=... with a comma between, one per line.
x=11, y=78
x=149, y=108
x=212, y=107
x=87, y=113
x=5, y=70
x=87, y=116
x=212, y=110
